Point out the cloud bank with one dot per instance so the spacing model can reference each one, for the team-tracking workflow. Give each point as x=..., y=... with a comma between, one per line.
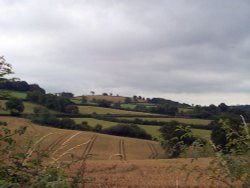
x=190, y=51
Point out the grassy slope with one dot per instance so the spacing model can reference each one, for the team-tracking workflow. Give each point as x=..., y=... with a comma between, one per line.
x=138, y=171
x=18, y=94
x=104, y=147
x=101, y=110
x=28, y=107
x=151, y=129
x=181, y=120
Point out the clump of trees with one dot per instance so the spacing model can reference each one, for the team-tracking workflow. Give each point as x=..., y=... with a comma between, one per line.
x=19, y=86
x=176, y=138
x=53, y=102
x=229, y=134
x=44, y=117
x=15, y=106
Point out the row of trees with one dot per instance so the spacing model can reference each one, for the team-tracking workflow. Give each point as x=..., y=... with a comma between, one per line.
x=19, y=86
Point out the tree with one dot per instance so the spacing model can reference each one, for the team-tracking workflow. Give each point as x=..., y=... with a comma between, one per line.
x=226, y=134
x=5, y=68
x=84, y=99
x=71, y=109
x=223, y=107
x=176, y=138
x=104, y=103
x=66, y=95
x=15, y=106
x=127, y=100
x=127, y=130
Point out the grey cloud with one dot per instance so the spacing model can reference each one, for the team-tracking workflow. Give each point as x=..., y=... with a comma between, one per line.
x=193, y=47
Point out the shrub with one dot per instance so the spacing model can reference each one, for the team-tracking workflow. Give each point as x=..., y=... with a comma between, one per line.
x=176, y=138
x=127, y=130
x=28, y=166
x=15, y=106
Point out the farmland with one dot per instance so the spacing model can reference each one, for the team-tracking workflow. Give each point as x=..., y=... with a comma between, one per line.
x=105, y=166
x=105, y=146
x=181, y=120
x=151, y=129
x=17, y=94
x=28, y=107
x=102, y=110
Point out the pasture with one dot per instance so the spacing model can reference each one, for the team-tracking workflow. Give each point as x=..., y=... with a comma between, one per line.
x=10, y=93
x=164, y=119
x=151, y=129
x=102, y=110
x=28, y=107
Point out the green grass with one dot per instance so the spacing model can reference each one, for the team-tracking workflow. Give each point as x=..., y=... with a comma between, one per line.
x=28, y=107
x=202, y=133
x=181, y=120
x=128, y=106
x=101, y=110
x=153, y=130
x=17, y=94
x=185, y=110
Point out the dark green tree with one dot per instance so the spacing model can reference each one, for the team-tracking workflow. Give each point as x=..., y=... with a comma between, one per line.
x=176, y=138
x=226, y=134
x=15, y=106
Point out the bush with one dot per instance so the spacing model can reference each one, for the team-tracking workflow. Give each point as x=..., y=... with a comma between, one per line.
x=127, y=130
x=226, y=132
x=15, y=106
x=29, y=166
x=176, y=138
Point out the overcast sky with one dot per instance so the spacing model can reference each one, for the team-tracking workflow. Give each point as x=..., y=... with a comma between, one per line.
x=193, y=51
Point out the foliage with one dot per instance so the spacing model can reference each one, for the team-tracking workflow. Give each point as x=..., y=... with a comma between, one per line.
x=53, y=102
x=127, y=131
x=71, y=109
x=104, y=103
x=5, y=68
x=164, y=109
x=29, y=166
x=176, y=138
x=231, y=163
x=15, y=106
x=228, y=134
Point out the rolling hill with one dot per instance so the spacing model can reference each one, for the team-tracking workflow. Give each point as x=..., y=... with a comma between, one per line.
x=103, y=147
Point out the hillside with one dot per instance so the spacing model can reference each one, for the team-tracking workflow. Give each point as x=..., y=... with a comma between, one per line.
x=104, y=146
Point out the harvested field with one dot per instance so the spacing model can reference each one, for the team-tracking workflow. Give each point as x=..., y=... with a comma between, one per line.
x=97, y=146
x=146, y=174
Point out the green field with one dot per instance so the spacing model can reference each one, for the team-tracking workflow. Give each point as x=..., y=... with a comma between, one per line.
x=133, y=105
x=185, y=110
x=151, y=129
x=181, y=120
x=128, y=106
x=101, y=110
x=9, y=93
x=202, y=133
x=93, y=122
x=28, y=107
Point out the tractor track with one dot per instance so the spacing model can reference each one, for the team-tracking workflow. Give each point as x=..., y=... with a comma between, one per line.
x=122, y=150
x=86, y=153
x=153, y=150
